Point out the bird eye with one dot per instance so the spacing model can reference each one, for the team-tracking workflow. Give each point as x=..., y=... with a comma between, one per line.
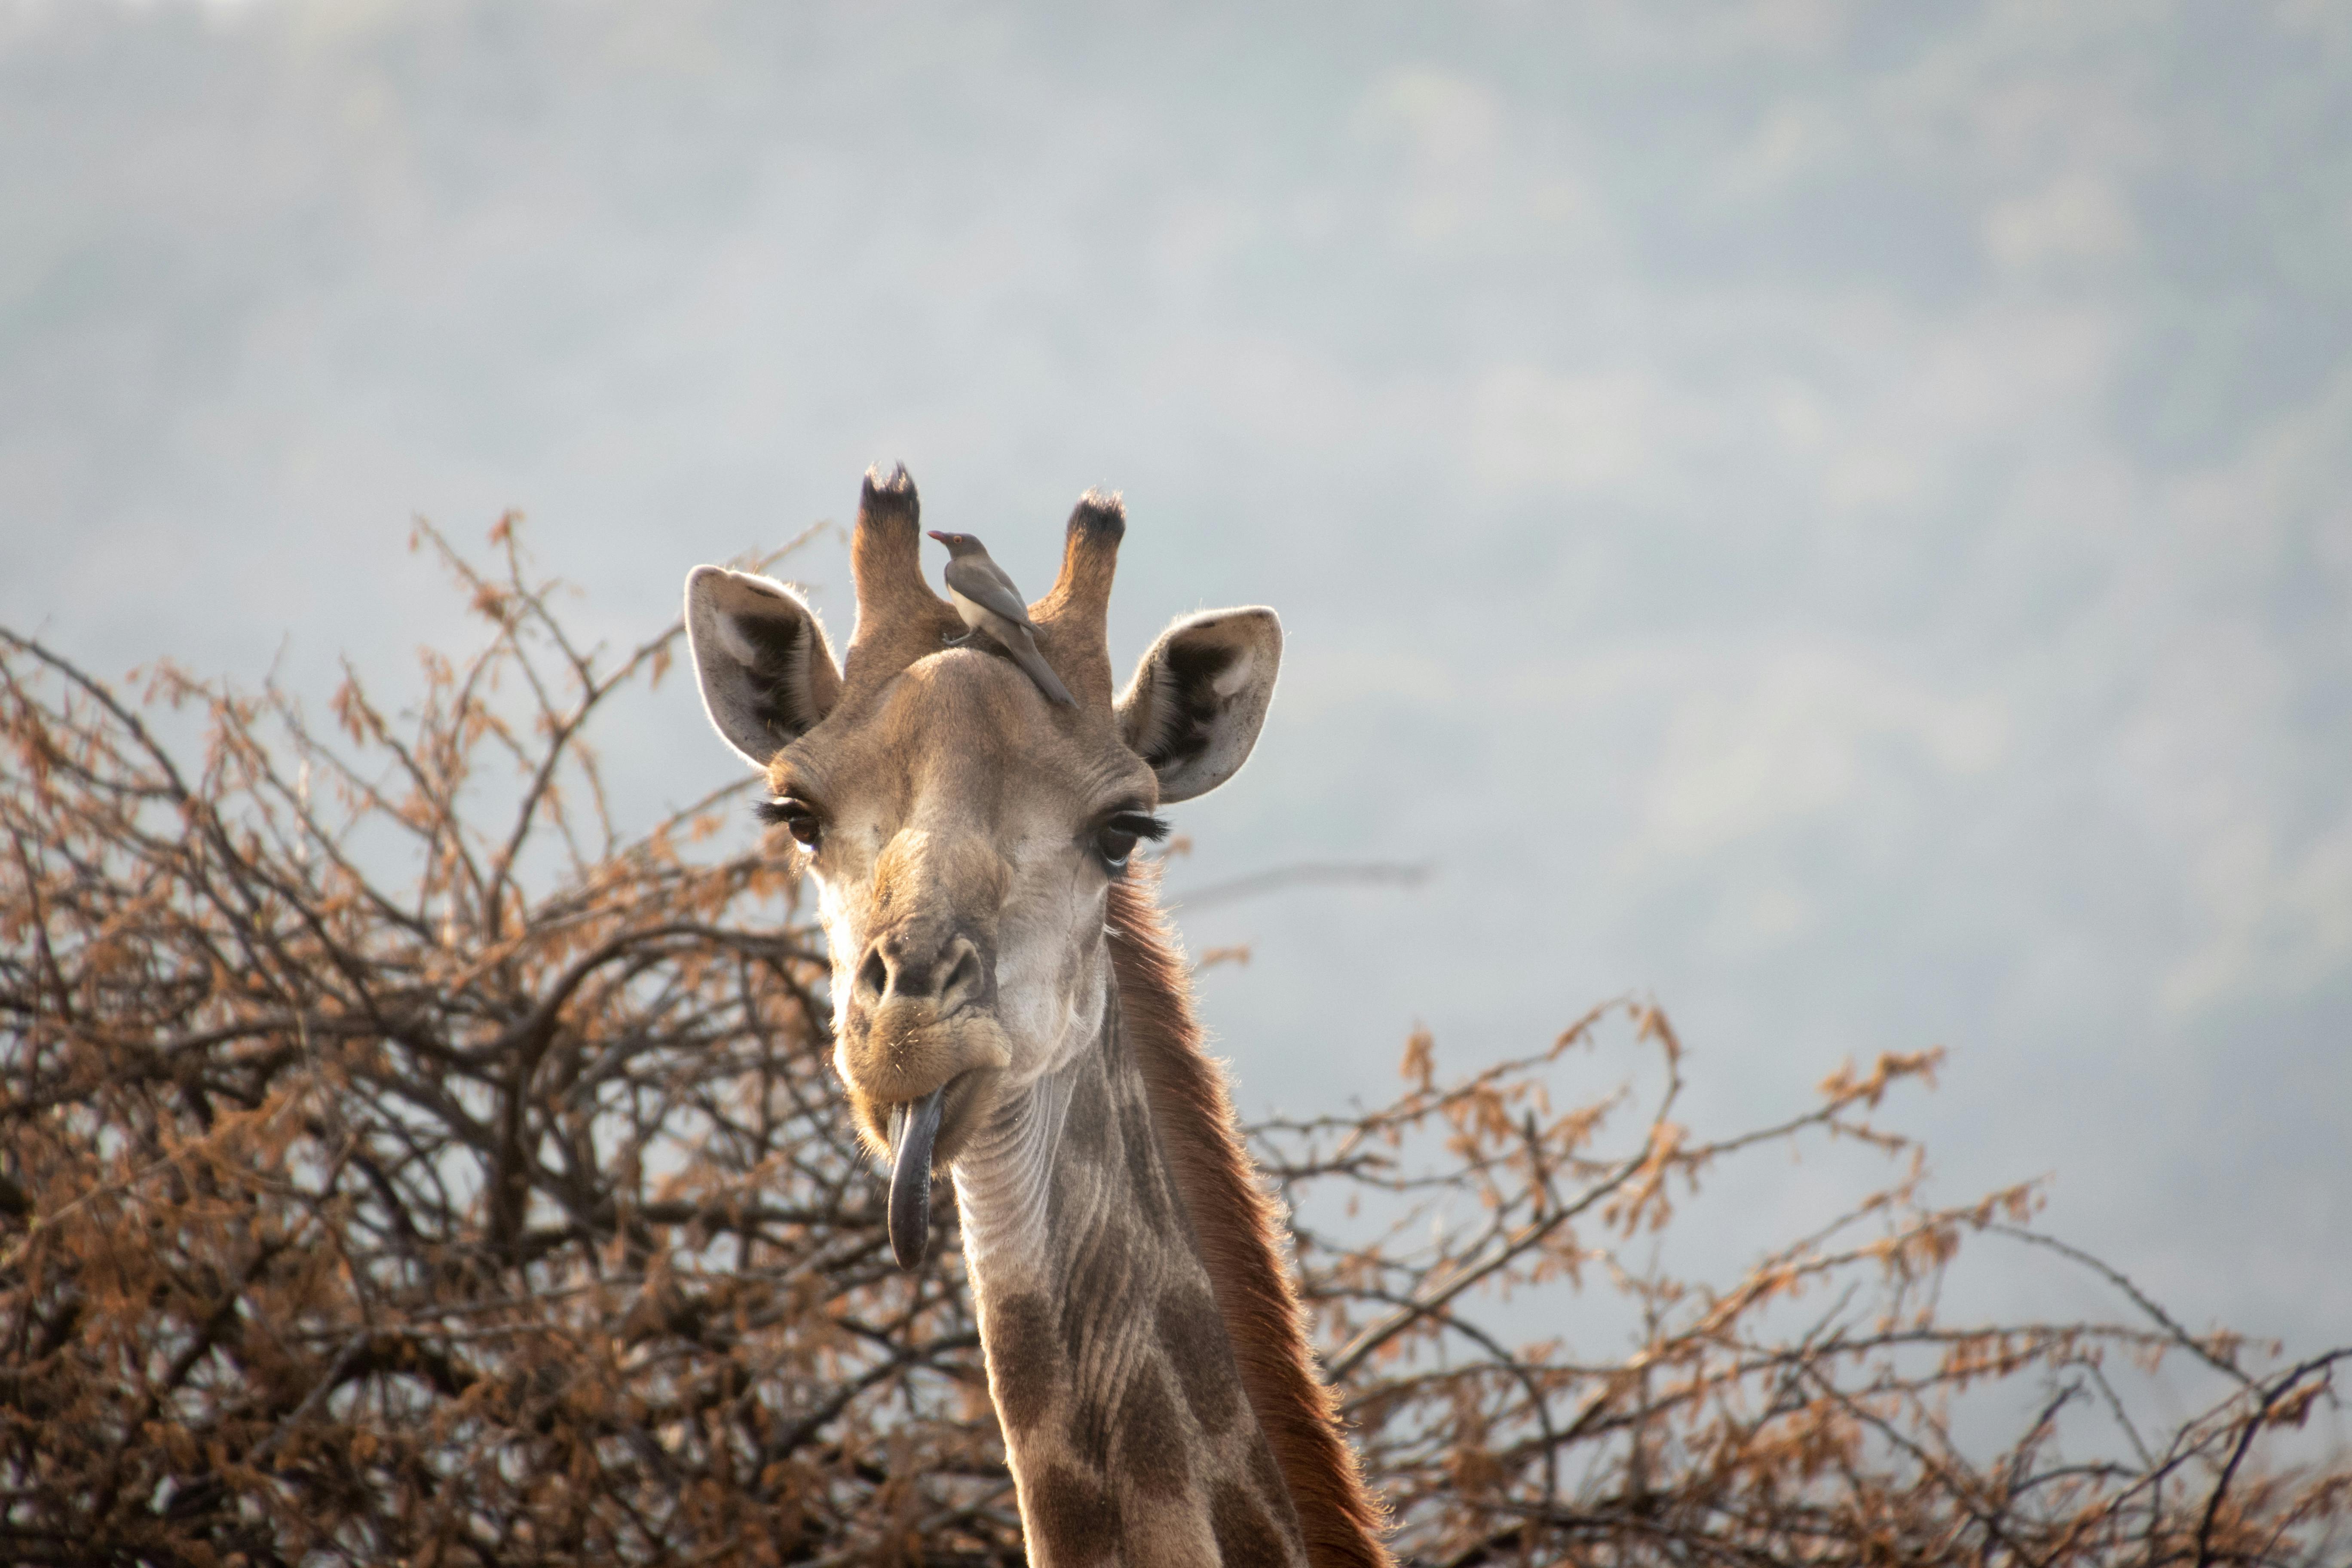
x=797, y=817
x=1115, y=839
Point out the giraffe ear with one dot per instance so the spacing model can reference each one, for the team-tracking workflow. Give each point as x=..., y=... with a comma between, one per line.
x=766, y=669
x=1199, y=698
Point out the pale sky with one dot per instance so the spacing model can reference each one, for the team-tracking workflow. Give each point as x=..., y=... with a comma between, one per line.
x=1836, y=517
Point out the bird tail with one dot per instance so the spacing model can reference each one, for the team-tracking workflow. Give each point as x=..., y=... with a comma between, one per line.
x=1024, y=649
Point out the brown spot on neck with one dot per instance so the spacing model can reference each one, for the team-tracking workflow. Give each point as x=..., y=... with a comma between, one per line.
x=1024, y=1359
x=1072, y=1516
x=1153, y=1458
x=1244, y=1533
x=1237, y=1226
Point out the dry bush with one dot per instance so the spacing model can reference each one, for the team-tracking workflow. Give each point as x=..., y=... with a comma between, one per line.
x=401, y=1165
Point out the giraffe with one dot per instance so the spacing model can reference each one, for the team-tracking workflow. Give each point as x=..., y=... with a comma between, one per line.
x=1009, y=1008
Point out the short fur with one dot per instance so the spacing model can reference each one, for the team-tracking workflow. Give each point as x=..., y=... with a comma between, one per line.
x=1238, y=1229
x=958, y=827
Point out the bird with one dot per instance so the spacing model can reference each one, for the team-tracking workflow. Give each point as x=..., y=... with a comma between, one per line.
x=988, y=601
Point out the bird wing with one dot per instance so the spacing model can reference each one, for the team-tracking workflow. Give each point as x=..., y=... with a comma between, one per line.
x=1022, y=645
x=983, y=582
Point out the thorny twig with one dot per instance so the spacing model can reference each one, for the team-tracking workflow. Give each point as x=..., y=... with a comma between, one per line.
x=378, y=1184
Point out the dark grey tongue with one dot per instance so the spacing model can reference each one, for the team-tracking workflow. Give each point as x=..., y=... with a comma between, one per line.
x=912, y=1129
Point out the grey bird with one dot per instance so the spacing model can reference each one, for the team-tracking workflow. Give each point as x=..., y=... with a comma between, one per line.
x=988, y=601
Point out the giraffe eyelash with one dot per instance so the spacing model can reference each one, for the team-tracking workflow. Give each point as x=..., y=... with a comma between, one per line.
x=1142, y=824
x=795, y=817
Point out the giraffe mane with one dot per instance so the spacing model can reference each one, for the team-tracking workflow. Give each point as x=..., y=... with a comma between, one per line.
x=1237, y=1226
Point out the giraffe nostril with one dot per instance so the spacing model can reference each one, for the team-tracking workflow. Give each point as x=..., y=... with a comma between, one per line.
x=874, y=975
x=962, y=980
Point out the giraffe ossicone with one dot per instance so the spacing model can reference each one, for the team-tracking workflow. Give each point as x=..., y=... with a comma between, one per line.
x=1009, y=1009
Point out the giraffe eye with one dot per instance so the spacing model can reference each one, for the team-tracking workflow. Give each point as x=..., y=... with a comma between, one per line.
x=797, y=817
x=1115, y=839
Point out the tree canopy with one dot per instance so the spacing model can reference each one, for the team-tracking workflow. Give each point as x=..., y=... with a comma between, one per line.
x=405, y=1161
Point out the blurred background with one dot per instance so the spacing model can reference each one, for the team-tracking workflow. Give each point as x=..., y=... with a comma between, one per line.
x=1835, y=516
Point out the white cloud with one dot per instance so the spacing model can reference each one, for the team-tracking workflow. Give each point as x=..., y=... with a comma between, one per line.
x=2278, y=922
x=1790, y=733
x=1795, y=137
x=1451, y=130
x=2072, y=219
x=1531, y=428
x=1755, y=918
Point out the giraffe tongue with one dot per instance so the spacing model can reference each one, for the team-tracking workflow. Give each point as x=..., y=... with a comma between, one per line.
x=912, y=1129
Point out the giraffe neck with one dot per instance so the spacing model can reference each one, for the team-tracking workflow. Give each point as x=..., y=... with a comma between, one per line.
x=1126, y=1422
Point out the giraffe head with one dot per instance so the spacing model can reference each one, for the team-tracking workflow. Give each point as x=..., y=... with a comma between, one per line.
x=962, y=831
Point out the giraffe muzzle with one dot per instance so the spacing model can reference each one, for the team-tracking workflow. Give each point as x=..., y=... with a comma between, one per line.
x=914, y=1129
